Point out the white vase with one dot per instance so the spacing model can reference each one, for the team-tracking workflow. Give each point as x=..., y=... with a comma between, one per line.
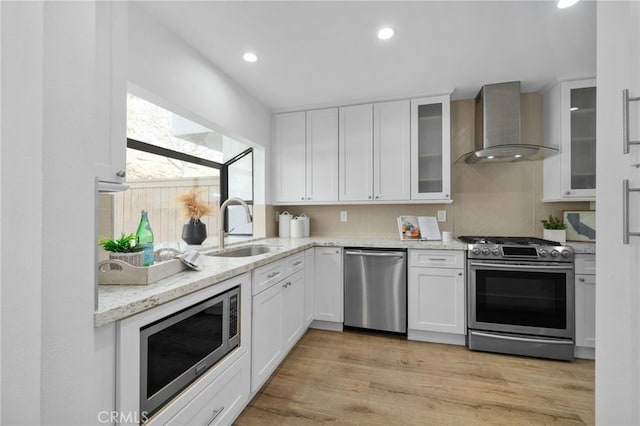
x=559, y=235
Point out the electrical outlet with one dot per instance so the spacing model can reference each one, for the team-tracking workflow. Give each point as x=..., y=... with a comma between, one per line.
x=442, y=215
x=343, y=216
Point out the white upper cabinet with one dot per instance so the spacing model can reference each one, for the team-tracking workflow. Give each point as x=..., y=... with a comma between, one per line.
x=322, y=155
x=111, y=90
x=356, y=153
x=430, y=149
x=306, y=157
x=290, y=157
x=570, y=125
x=375, y=152
x=392, y=151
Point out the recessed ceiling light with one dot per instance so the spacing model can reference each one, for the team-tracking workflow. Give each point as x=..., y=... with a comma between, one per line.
x=250, y=57
x=563, y=4
x=385, y=33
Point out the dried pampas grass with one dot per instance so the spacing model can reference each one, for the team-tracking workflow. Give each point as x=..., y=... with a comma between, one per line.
x=194, y=207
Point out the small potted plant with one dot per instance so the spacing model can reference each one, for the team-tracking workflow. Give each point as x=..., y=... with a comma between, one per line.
x=194, y=232
x=124, y=248
x=554, y=229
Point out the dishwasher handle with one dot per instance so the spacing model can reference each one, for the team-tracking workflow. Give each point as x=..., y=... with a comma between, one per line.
x=374, y=253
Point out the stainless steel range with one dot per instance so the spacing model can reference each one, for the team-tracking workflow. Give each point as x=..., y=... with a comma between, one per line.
x=520, y=294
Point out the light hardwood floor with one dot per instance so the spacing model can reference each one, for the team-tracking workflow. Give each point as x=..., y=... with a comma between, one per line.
x=354, y=378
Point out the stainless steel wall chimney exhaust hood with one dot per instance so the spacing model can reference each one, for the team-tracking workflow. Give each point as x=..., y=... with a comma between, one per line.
x=497, y=131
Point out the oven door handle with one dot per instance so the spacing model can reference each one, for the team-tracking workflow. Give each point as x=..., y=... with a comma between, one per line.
x=520, y=266
x=523, y=339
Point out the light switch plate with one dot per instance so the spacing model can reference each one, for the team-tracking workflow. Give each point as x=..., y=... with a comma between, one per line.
x=343, y=216
x=442, y=215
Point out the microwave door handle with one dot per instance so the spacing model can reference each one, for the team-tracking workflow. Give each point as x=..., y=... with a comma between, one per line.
x=520, y=266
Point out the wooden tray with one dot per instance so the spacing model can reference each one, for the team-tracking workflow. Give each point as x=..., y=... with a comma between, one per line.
x=117, y=272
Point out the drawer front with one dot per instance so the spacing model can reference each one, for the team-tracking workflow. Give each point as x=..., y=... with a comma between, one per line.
x=221, y=401
x=267, y=275
x=436, y=258
x=585, y=264
x=294, y=263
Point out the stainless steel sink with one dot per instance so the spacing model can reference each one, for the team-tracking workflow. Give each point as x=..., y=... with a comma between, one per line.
x=247, y=251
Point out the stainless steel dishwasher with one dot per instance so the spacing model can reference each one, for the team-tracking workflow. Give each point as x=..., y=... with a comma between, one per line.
x=375, y=289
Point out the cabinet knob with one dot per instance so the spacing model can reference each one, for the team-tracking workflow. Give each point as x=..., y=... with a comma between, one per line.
x=308, y=198
x=459, y=274
x=446, y=195
x=377, y=197
x=121, y=173
x=302, y=198
x=369, y=197
x=567, y=193
x=581, y=280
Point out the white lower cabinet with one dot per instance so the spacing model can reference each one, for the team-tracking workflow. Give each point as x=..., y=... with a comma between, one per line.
x=268, y=320
x=585, y=294
x=328, y=285
x=436, y=296
x=309, y=280
x=278, y=315
x=220, y=402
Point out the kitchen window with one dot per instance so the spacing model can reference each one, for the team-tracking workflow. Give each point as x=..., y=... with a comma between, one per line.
x=168, y=155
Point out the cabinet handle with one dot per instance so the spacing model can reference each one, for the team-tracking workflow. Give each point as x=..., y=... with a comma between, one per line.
x=437, y=260
x=581, y=280
x=273, y=274
x=459, y=274
x=214, y=415
x=567, y=193
x=625, y=121
x=297, y=263
x=121, y=173
x=377, y=197
x=369, y=197
x=308, y=198
x=625, y=212
x=302, y=198
x=287, y=284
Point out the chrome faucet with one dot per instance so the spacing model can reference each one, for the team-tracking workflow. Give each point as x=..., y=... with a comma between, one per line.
x=223, y=207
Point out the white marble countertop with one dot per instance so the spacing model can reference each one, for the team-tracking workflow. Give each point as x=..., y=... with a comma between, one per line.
x=582, y=248
x=116, y=302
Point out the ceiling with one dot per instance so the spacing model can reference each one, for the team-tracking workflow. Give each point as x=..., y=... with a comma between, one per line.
x=327, y=53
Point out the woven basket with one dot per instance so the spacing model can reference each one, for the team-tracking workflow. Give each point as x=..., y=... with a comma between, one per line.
x=134, y=258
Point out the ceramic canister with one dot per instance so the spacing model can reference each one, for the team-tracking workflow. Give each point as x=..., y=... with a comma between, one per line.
x=306, y=221
x=284, y=225
x=297, y=228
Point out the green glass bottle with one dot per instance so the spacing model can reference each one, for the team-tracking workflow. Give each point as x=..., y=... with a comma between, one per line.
x=144, y=237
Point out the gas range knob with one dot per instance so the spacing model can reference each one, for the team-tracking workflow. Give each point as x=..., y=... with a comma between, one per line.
x=496, y=252
x=566, y=254
x=486, y=251
x=555, y=253
x=476, y=251
x=543, y=253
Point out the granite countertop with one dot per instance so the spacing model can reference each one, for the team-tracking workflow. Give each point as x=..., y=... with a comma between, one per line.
x=582, y=248
x=116, y=302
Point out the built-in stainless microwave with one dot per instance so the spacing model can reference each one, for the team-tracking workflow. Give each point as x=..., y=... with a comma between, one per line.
x=177, y=349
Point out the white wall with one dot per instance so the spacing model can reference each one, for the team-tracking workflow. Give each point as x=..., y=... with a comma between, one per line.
x=21, y=215
x=167, y=71
x=618, y=270
x=55, y=369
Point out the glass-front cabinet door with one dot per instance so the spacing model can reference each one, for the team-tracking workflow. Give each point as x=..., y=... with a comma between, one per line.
x=579, y=138
x=430, y=149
